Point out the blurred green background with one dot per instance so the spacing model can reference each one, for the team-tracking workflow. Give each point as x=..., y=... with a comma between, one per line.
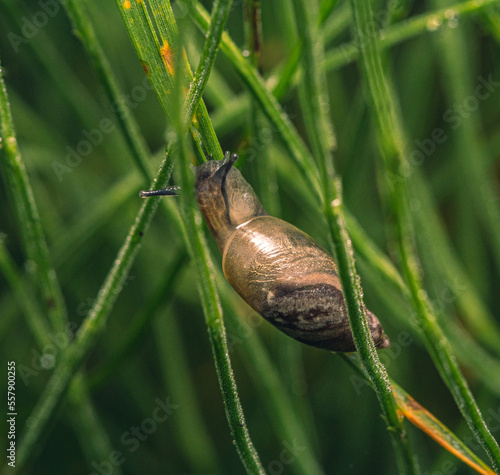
x=88, y=204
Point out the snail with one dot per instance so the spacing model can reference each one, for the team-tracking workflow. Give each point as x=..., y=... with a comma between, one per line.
x=280, y=271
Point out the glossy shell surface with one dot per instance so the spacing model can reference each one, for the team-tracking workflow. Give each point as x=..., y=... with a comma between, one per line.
x=280, y=271
x=283, y=274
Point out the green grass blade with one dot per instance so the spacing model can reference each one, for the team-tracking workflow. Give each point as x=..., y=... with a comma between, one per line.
x=197, y=445
x=491, y=18
x=437, y=245
x=157, y=58
x=64, y=78
x=434, y=428
x=93, y=325
x=88, y=427
x=25, y=299
x=391, y=286
x=213, y=315
x=427, y=422
x=392, y=145
x=289, y=391
x=406, y=29
x=203, y=265
x=230, y=51
x=268, y=103
x=137, y=327
x=16, y=176
x=280, y=405
x=90, y=220
x=284, y=78
x=218, y=20
x=456, y=53
x=168, y=32
x=196, y=111
x=320, y=132
x=157, y=62
x=130, y=129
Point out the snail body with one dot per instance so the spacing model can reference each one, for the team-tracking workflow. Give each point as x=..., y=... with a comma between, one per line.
x=280, y=271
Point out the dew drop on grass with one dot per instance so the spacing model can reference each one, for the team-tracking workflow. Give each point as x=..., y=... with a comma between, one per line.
x=272, y=81
x=451, y=17
x=433, y=23
x=422, y=294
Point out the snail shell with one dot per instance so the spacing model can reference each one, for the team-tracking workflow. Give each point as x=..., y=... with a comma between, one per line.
x=280, y=271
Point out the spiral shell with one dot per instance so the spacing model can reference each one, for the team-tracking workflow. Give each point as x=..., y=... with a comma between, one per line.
x=280, y=271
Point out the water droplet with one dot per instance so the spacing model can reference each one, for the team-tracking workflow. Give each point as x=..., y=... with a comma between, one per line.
x=451, y=17
x=433, y=23
x=245, y=53
x=422, y=294
x=450, y=13
x=271, y=82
